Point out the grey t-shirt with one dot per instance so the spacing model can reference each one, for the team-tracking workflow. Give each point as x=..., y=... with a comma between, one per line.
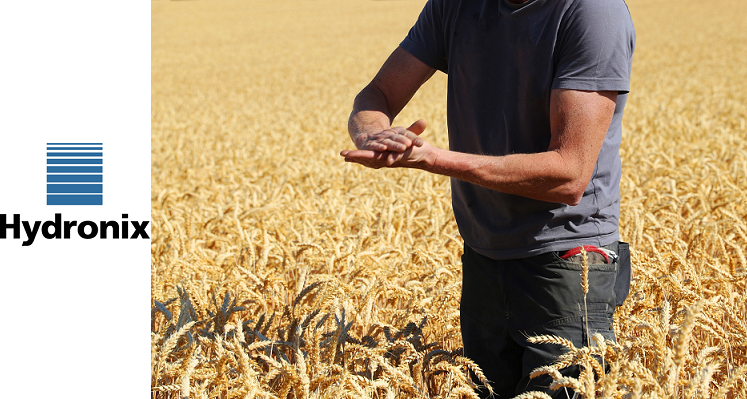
x=502, y=62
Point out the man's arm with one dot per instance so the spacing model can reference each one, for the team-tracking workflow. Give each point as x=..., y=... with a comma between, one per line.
x=381, y=100
x=579, y=122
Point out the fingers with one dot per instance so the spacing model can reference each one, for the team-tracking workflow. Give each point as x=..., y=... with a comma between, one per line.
x=414, y=131
x=356, y=155
x=396, y=139
x=387, y=140
x=371, y=159
x=376, y=159
x=406, y=137
x=375, y=146
x=397, y=142
x=390, y=160
x=418, y=126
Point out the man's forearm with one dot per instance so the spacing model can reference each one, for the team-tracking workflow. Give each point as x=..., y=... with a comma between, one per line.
x=545, y=176
x=579, y=121
x=370, y=114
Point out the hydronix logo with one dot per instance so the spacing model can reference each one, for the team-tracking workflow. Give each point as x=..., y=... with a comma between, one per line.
x=75, y=174
x=74, y=177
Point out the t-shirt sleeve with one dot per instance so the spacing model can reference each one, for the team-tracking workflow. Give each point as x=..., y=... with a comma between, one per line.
x=596, y=42
x=425, y=40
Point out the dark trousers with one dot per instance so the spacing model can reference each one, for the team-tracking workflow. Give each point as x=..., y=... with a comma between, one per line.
x=505, y=301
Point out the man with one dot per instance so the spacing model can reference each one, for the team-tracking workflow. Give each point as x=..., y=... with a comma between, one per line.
x=536, y=94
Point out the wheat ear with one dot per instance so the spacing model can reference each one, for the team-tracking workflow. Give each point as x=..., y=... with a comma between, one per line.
x=585, y=288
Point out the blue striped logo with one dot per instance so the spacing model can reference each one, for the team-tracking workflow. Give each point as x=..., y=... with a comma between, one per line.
x=75, y=174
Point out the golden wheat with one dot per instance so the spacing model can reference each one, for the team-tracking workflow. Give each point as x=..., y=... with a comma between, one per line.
x=279, y=271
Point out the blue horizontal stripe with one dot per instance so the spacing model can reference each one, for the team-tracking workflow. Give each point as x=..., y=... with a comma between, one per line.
x=74, y=143
x=75, y=199
x=75, y=188
x=74, y=162
x=74, y=178
x=73, y=148
x=74, y=169
x=74, y=154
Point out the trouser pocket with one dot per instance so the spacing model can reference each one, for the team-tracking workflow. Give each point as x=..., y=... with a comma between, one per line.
x=602, y=280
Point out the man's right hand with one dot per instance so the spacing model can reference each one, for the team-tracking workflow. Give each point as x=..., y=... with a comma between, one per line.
x=395, y=139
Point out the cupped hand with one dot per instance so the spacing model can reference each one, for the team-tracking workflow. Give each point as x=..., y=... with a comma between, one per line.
x=395, y=139
x=419, y=157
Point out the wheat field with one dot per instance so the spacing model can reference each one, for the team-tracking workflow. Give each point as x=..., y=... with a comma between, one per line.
x=280, y=271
